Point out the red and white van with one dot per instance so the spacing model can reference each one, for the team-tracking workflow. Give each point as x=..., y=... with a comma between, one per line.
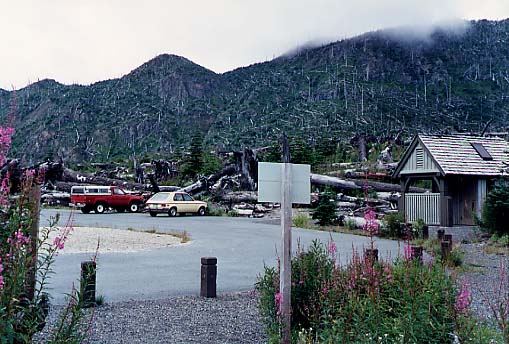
x=99, y=198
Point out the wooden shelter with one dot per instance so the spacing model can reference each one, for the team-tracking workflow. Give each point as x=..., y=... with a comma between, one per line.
x=459, y=171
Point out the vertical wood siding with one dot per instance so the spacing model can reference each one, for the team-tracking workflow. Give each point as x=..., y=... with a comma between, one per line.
x=419, y=161
x=425, y=206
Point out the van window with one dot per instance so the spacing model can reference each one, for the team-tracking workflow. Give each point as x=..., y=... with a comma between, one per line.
x=118, y=192
x=77, y=191
x=104, y=191
x=92, y=190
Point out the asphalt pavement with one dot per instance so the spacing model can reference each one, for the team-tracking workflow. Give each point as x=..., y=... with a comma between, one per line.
x=242, y=246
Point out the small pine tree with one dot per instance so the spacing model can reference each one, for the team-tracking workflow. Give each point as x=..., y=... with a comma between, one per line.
x=325, y=212
x=495, y=214
x=300, y=152
x=273, y=153
x=211, y=164
x=193, y=165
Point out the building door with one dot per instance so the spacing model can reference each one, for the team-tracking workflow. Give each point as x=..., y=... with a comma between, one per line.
x=467, y=201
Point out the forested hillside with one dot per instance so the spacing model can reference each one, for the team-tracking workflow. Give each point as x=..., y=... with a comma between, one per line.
x=374, y=85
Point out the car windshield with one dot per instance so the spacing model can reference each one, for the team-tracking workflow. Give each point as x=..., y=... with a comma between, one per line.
x=159, y=197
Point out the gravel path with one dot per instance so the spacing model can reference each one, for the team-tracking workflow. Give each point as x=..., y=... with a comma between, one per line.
x=227, y=319
x=482, y=274
x=85, y=239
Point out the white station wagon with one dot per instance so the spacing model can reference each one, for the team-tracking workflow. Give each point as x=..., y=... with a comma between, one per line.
x=173, y=203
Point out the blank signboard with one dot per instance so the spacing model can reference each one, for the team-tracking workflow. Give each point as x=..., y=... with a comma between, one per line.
x=269, y=182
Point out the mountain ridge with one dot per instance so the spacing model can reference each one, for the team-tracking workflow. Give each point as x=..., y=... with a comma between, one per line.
x=372, y=84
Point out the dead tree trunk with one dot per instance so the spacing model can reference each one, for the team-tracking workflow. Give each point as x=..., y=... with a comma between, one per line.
x=75, y=177
x=247, y=165
x=205, y=183
x=342, y=184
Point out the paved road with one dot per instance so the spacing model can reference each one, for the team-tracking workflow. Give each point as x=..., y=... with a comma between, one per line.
x=241, y=245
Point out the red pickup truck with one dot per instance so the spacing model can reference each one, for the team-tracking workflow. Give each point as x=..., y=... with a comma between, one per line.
x=99, y=198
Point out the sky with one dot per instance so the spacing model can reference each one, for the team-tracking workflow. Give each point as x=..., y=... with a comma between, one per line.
x=84, y=41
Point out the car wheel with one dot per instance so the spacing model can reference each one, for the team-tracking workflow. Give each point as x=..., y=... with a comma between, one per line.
x=172, y=212
x=120, y=210
x=153, y=214
x=85, y=209
x=100, y=208
x=134, y=207
x=201, y=211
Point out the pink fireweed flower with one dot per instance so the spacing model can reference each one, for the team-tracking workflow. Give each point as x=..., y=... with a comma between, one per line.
x=278, y=298
x=18, y=239
x=59, y=242
x=332, y=248
x=371, y=225
x=407, y=252
x=5, y=142
x=29, y=173
x=463, y=300
x=1, y=277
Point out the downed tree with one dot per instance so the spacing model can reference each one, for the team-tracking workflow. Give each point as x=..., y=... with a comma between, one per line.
x=343, y=184
x=238, y=197
x=205, y=183
x=319, y=179
x=70, y=176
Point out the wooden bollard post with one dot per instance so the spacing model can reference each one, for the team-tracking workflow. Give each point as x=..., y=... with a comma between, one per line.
x=88, y=283
x=417, y=253
x=425, y=232
x=371, y=255
x=446, y=249
x=448, y=237
x=208, y=276
x=440, y=234
x=408, y=231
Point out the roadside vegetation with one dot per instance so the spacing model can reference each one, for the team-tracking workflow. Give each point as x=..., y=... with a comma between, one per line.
x=26, y=264
x=182, y=235
x=368, y=301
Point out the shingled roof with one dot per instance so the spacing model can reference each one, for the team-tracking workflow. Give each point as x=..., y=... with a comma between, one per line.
x=458, y=154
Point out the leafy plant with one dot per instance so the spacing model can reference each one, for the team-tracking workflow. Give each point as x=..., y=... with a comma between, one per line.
x=25, y=265
x=495, y=214
x=325, y=212
x=392, y=225
x=301, y=221
x=369, y=302
x=350, y=224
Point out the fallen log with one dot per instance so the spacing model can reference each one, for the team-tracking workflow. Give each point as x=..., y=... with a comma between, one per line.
x=205, y=183
x=318, y=179
x=71, y=176
x=238, y=197
x=343, y=184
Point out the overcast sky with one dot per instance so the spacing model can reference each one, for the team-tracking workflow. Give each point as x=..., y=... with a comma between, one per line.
x=83, y=41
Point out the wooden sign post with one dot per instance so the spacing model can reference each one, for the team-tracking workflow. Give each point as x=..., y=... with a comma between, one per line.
x=285, y=183
x=285, y=277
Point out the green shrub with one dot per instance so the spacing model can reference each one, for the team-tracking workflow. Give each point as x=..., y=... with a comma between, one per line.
x=350, y=224
x=301, y=221
x=362, y=302
x=392, y=225
x=495, y=214
x=504, y=240
x=325, y=212
x=215, y=210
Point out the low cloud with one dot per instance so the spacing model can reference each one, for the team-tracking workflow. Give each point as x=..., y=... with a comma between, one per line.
x=83, y=41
